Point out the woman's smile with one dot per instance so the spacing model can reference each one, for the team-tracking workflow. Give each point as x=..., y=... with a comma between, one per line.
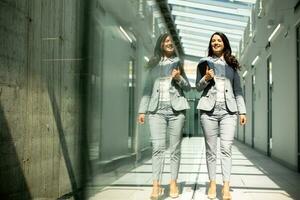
x=217, y=44
x=168, y=46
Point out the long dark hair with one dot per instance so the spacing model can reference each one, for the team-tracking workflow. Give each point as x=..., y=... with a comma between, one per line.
x=230, y=59
x=158, y=51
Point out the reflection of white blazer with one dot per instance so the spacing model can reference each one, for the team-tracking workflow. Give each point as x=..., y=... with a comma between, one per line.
x=233, y=91
x=150, y=99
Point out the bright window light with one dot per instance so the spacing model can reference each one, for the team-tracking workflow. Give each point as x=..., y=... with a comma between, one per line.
x=274, y=33
x=209, y=18
x=194, y=48
x=201, y=47
x=196, y=37
x=126, y=35
x=212, y=7
x=146, y=58
x=193, y=37
x=210, y=32
x=209, y=27
x=247, y=1
x=255, y=60
x=193, y=42
x=245, y=73
x=195, y=53
x=208, y=23
x=200, y=38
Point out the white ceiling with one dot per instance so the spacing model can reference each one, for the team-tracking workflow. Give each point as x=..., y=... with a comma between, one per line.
x=197, y=20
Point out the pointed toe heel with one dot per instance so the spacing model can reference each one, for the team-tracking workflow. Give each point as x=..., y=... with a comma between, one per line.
x=226, y=195
x=174, y=194
x=156, y=193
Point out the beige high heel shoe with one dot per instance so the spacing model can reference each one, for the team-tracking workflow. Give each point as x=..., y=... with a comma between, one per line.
x=226, y=195
x=226, y=192
x=174, y=191
x=156, y=192
x=212, y=190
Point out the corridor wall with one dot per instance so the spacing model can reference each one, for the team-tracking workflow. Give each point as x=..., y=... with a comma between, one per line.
x=281, y=50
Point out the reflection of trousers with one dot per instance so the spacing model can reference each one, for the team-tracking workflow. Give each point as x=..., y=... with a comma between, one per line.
x=161, y=123
x=223, y=122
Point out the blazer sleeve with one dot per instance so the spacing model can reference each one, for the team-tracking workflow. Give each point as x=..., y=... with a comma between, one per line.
x=238, y=93
x=147, y=91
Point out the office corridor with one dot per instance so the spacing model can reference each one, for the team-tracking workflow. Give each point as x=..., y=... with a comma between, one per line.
x=72, y=77
x=254, y=177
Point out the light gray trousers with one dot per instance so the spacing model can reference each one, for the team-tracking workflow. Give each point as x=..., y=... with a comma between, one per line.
x=161, y=123
x=222, y=122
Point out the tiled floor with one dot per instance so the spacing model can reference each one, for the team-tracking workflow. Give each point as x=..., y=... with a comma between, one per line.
x=254, y=177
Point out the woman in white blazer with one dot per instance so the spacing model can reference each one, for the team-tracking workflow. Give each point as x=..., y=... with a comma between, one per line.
x=220, y=104
x=163, y=99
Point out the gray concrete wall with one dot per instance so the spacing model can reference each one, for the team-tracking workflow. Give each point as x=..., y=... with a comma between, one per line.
x=284, y=107
x=41, y=98
x=64, y=95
